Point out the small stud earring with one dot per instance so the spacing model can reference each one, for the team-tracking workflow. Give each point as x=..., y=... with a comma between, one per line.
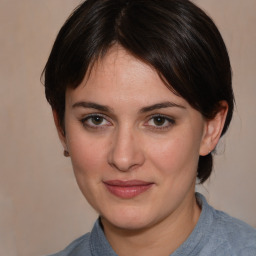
x=66, y=153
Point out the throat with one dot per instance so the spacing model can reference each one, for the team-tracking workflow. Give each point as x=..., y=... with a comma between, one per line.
x=160, y=239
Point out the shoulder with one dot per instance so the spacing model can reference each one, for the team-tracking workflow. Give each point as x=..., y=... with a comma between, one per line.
x=238, y=235
x=78, y=247
x=93, y=243
x=222, y=234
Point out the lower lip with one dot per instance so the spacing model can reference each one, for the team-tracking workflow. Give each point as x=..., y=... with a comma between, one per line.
x=127, y=192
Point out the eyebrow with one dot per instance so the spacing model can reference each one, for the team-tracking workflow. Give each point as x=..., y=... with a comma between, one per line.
x=84, y=104
x=167, y=104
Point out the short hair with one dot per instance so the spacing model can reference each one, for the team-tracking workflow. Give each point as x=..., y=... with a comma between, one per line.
x=175, y=37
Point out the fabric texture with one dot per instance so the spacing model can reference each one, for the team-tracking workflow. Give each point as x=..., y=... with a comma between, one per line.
x=216, y=234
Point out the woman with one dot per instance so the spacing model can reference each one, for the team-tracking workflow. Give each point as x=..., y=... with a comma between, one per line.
x=141, y=93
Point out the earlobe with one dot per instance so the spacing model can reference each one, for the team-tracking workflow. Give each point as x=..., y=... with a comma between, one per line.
x=213, y=130
x=60, y=130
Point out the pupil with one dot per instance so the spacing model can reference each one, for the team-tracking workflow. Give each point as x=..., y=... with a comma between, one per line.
x=97, y=120
x=159, y=120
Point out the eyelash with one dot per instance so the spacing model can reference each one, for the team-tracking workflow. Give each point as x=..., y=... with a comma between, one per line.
x=170, y=121
x=85, y=122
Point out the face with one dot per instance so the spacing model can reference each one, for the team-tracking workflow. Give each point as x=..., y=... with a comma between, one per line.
x=134, y=145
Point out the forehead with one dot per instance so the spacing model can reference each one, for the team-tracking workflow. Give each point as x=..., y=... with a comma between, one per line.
x=120, y=65
x=120, y=75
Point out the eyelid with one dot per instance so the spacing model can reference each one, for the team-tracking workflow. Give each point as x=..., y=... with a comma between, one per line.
x=167, y=118
x=91, y=115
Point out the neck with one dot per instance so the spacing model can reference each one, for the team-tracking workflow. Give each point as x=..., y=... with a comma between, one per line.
x=156, y=239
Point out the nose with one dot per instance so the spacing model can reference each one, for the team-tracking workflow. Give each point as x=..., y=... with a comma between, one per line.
x=126, y=152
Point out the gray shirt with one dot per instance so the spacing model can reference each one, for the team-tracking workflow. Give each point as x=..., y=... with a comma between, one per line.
x=216, y=234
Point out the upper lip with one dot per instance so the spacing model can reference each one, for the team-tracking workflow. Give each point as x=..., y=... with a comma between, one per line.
x=127, y=183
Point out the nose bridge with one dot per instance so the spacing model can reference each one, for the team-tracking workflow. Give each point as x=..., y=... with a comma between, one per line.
x=125, y=153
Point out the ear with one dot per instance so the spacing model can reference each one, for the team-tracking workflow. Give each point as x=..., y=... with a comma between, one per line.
x=213, y=129
x=60, y=130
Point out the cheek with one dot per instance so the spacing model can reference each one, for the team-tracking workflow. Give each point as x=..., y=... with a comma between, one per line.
x=88, y=165
x=175, y=156
x=86, y=153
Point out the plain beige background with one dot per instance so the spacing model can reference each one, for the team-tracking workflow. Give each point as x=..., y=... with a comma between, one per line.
x=41, y=208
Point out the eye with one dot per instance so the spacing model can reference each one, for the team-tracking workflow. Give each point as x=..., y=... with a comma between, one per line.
x=160, y=122
x=95, y=121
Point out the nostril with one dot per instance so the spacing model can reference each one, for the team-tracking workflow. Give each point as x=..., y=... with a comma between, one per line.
x=126, y=160
x=125, y=153
x=122, y=164
x=123, y=168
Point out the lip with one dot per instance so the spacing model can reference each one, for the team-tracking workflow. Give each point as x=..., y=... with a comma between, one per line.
x=127, y=189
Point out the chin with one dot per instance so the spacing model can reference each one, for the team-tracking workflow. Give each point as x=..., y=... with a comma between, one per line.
x=128, y=219
x=129, y=224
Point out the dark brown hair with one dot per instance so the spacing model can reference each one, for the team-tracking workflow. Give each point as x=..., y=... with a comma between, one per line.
x=175, y=37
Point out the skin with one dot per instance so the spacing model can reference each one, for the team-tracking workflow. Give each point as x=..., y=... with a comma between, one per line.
x=127, y=140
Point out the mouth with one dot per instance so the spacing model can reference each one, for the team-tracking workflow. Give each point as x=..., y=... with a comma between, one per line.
x=127, y=189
